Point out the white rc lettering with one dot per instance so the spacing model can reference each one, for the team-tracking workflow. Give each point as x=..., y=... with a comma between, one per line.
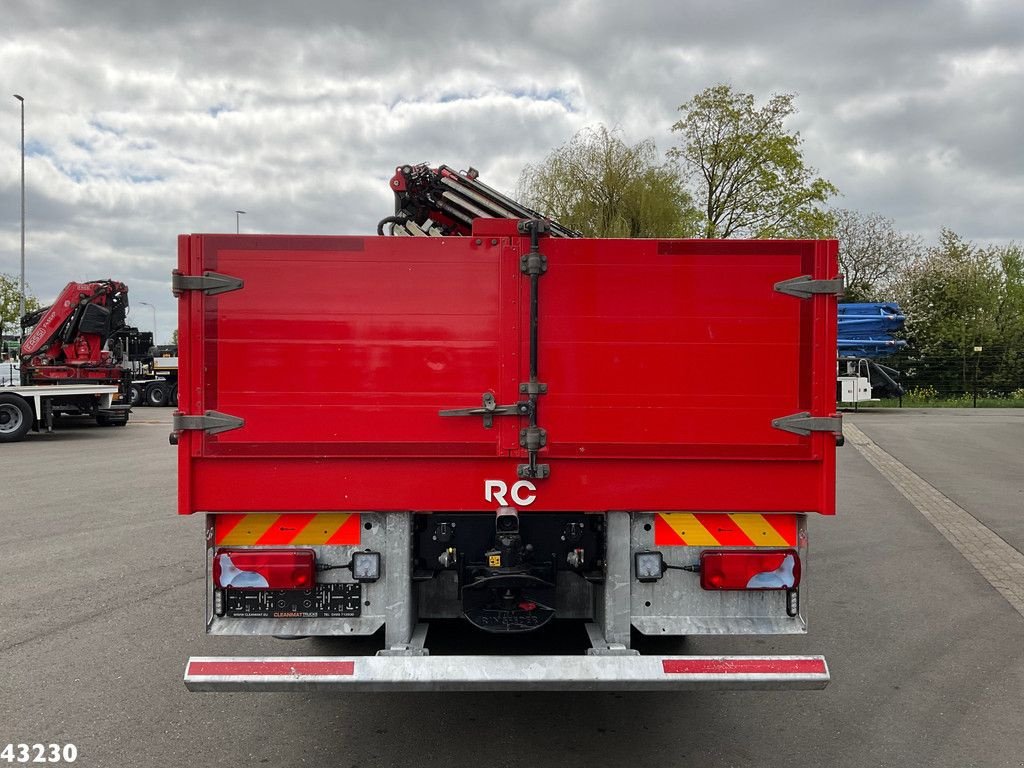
x=527, y=500
x=495, y=490
x=523, y=493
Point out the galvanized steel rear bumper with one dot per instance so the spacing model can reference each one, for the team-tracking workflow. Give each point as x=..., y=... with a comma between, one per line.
x=506, y=673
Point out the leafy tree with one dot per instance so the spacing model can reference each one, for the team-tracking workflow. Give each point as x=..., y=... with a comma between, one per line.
x=959, y=296
x=747, y=170
x=1006, y=360
x=10, y=293
x=174, y=336
x=603, y=187
x=871, y=252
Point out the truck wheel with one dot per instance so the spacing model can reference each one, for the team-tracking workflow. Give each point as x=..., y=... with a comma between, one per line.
x=134, y=395
x=15, y=418
x=156, y=394
x=174, y=395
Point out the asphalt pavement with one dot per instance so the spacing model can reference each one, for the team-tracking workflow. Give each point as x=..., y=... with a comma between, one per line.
x=973, y=456
x=102, y=597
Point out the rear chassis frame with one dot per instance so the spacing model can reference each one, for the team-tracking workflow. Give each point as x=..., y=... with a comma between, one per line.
x=618, y=603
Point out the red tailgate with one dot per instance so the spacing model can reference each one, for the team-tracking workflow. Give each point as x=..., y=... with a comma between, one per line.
x=666, y=363
x=681, y=349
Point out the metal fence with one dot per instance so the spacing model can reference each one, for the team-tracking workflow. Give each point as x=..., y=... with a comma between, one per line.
x=954, y=373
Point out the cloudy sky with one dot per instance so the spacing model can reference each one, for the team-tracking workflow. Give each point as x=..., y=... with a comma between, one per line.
x=149, y=119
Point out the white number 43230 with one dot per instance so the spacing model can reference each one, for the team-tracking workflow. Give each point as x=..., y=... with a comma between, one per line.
x=39, y=753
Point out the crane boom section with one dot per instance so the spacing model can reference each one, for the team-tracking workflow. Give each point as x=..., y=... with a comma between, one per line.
x=441, y=201
x=68, y=339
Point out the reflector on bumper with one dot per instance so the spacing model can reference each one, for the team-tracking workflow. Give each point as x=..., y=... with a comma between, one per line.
x=514, y=673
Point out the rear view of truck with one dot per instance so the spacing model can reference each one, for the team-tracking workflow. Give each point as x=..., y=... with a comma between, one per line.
x=509, y=430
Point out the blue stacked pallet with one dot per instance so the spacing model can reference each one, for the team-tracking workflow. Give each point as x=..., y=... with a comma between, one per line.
x=865, y=330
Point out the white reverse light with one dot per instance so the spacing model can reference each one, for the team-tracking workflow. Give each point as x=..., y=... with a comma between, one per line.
x=366, y=566
x=649, y=566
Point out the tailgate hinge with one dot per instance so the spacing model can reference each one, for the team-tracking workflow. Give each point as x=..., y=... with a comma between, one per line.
x=804, y=286
x=209, y=283
x=211, y=422
x=803, y=424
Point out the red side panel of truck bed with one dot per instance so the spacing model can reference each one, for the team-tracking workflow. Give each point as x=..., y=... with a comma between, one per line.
x=665, y=361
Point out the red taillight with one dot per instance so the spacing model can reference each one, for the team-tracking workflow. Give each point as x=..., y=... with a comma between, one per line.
x=752, y=569
x=265, y=568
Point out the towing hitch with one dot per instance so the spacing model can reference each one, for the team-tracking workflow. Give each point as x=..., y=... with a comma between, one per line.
x=509, y=592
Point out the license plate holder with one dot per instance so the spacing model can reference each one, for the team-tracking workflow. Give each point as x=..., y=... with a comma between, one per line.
x=325, y=601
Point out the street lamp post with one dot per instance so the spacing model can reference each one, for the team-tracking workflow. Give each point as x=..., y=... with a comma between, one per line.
x=237, y=214
x=147, y=304
x=21, y=299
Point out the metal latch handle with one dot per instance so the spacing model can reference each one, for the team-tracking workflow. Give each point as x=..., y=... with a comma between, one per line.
x=491, y=409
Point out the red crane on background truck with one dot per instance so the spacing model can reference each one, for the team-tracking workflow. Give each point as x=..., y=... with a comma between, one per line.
x=498, y=423
x=67, y=341
x=67, y=365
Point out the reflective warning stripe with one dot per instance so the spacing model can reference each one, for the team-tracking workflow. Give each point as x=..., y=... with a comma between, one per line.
x=811, y=665
x=285, y=530
x=270, y=667
x=689, y=529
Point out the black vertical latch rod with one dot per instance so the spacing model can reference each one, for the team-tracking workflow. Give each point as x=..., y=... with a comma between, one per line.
x=534, y=264
x=534, y=304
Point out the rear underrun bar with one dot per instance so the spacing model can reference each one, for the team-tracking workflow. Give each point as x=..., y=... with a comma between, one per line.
x=506, y=673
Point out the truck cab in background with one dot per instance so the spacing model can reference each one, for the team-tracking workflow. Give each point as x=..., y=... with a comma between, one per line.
x=154, y=379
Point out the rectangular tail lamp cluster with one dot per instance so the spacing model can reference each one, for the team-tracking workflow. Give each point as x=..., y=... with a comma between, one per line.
x=776, y=569
x=264, y=568
x=294, y=568
x=723, y=569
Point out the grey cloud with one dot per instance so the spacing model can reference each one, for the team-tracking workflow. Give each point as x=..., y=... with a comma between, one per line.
x=162, y=118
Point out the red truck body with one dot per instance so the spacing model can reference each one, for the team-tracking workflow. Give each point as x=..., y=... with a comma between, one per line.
x=509, y=429
x=666, y=363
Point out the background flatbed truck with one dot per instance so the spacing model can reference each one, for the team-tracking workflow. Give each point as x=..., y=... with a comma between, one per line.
x=27, y=408
x=68, y=365
x=505, y=429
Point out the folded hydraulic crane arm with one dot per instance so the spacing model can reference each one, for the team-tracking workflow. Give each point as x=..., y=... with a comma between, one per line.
x=81, y=308
x=72, y=339
x=443, y=202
